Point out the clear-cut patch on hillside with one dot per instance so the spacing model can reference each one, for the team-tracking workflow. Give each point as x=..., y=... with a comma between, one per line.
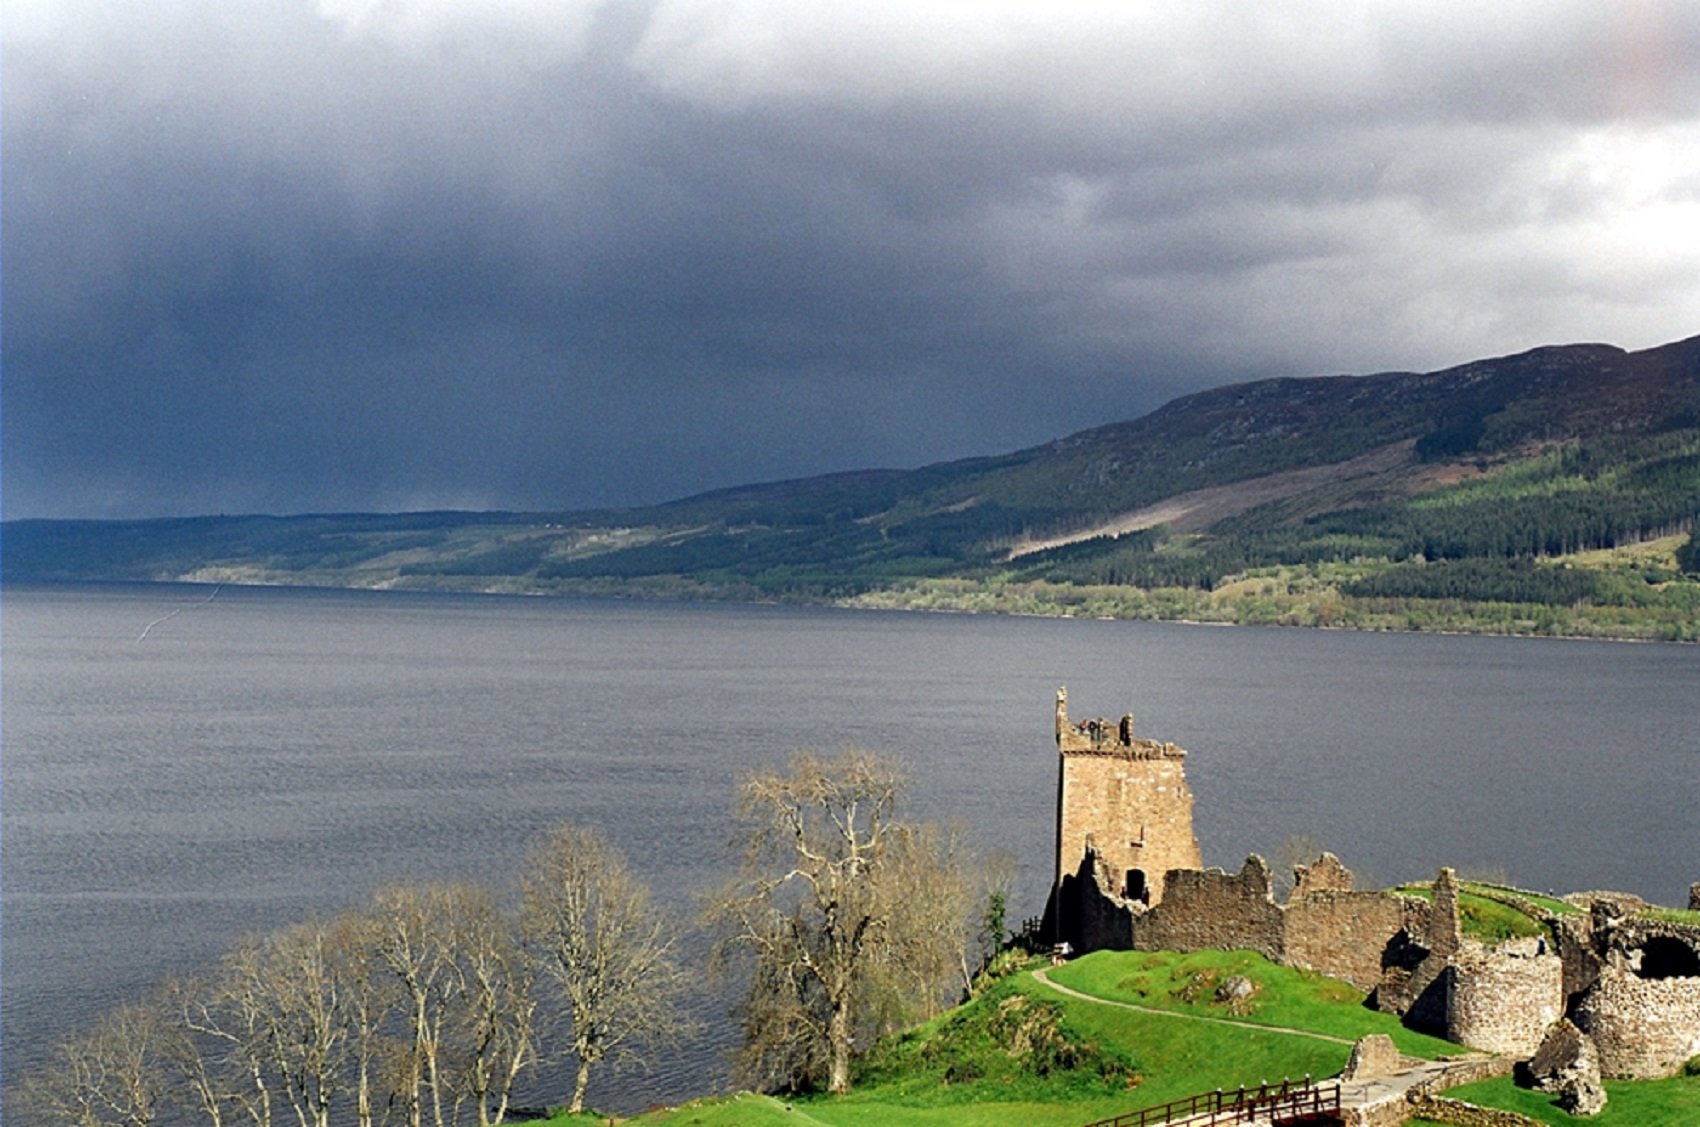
x=1199, y=509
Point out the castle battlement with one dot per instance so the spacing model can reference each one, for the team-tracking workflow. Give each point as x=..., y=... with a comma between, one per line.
x=1099, y=736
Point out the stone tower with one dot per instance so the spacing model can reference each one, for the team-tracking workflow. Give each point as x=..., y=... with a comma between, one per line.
x=1127, y=800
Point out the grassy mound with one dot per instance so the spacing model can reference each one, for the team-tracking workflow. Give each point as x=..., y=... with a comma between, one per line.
x=1279, y=996
x=1022, y=1052
x=1014, y=1041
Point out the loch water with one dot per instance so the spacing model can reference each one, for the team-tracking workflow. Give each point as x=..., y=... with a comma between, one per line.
x=182, y=765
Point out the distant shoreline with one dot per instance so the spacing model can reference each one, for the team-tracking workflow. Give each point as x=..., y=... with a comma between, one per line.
x=963, y=597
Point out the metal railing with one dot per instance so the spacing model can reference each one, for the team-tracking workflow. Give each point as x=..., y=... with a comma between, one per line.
x=1290, y=1098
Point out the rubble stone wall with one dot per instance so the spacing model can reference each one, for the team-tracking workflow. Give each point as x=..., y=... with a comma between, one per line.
x=1502, y=1000
x=1644, y=1028
x=1343, y=934
x=1093, y=918
x=1206, y=909
x=1575, y=940
x=1439, y=1109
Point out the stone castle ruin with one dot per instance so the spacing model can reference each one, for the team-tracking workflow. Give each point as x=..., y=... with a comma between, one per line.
x=1608, y=990
x=1123, y=800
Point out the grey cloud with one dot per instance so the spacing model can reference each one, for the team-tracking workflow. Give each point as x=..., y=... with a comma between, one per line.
x=355, y=255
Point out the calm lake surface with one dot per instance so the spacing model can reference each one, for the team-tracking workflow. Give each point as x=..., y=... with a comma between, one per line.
x=182, y=766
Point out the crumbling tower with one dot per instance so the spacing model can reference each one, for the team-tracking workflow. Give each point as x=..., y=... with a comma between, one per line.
x=1127, y=800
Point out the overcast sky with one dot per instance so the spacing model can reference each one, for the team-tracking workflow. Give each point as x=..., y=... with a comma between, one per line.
x=293, y=255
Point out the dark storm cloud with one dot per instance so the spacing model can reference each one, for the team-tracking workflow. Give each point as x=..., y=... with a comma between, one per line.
x=352, y=254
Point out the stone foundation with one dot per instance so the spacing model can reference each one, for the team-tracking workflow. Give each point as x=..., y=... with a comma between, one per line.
x=1460, y=1114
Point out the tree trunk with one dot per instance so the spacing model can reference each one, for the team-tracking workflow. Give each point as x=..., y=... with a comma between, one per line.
x=579, y=1085
x=838, y=1037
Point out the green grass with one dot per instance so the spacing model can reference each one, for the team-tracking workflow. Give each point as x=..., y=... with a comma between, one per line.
x=1640, y=1103
x=1017, y=1040
x=1022, y=1053
x=1540, y=900
x=1487, y=920
x=1284, y=996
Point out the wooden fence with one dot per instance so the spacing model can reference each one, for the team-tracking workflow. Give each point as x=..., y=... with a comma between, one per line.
x=1290, y=1099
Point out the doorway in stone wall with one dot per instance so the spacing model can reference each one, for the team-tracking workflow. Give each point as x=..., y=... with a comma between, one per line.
x=1136, y=889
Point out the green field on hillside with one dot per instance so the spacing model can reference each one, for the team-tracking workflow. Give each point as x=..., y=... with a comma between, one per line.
x=1022, y=1052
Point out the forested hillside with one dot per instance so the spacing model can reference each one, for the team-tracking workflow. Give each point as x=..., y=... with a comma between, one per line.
x=1553, y=491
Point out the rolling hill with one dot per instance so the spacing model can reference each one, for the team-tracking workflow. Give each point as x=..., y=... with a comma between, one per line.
x=1552, y=491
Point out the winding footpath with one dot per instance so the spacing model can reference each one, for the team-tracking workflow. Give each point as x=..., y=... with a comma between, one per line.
x=1045, y=980
x=1431, y=1076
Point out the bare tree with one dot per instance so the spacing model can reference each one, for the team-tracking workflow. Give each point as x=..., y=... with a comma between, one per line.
x=371, y=1002
x=311, y=1017
x=835, y=895
x=466, y=997
x=933, y=889
x=414, y=928
x=110, y=1076
x=235, y=1012
x=607, y=947
x=198, y=1050
x=277, y=1013
x=496, y=1029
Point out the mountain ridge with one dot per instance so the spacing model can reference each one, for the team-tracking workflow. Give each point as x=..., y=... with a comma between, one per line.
x=1512, y=462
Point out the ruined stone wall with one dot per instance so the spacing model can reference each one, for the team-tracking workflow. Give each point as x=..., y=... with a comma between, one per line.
x=1325, y=874
x=1634, y=933
x=1574, y=936
x=1503, y=999
x=1128, y=798
x=1374, y=1055
x=1088, y=915
x=1343, y=934
x=1445, y=932
x=1336, y=932
x=1389, y=1112
x=1644, y=1028
x=1462, y=1072
x=1439, y=1109
x=1209, y=909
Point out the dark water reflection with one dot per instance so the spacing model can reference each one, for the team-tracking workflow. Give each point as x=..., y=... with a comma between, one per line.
x=270, y=754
